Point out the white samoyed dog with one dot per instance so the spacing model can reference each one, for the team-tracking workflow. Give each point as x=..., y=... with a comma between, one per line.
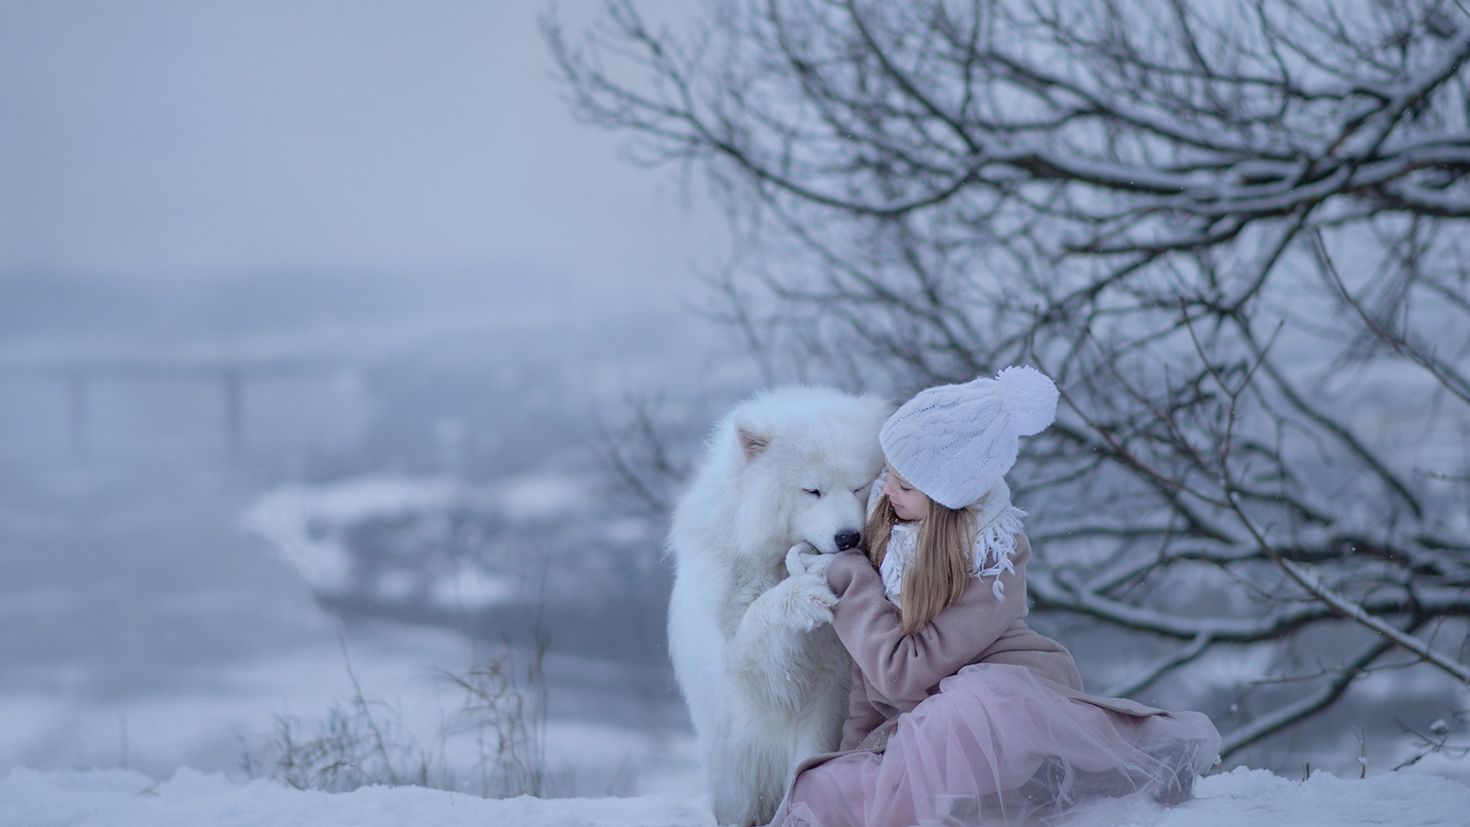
x=750, y=632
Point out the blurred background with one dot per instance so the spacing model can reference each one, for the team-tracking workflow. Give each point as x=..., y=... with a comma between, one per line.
x=351, y=352
x=309, y=317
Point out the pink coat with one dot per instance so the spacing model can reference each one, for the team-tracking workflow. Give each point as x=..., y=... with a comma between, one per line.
x=893, y=672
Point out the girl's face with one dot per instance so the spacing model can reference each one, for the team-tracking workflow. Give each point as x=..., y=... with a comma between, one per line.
x=909, y=503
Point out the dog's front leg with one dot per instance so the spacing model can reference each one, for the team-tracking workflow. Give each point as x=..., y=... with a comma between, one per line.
x=769, y=651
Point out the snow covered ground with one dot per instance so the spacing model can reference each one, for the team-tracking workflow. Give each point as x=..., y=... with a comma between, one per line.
x=124, y=798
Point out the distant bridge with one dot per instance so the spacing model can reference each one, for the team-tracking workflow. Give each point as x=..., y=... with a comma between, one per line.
x=76, y=376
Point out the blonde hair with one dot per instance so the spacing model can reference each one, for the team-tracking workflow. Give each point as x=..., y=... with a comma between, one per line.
x=943, y=559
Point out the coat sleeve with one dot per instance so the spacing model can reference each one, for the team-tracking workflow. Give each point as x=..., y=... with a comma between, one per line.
x=904, y=667
x=862, y=716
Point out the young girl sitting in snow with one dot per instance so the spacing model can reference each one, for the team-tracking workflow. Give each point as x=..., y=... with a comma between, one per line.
x=959, y=713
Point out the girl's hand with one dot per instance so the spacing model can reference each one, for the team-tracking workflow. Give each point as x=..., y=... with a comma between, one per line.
x=802, y=559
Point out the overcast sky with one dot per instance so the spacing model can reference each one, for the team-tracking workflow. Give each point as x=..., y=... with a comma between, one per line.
x=179, y=142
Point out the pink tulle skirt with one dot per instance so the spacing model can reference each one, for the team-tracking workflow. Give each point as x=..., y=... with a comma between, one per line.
x=997, y=745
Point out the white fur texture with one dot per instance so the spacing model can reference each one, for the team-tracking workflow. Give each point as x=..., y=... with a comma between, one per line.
x=762, y=671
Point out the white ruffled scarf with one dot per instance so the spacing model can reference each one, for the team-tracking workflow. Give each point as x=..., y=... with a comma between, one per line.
x=995, y=542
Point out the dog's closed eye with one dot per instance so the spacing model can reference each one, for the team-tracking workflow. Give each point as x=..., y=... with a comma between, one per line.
x=815, y=492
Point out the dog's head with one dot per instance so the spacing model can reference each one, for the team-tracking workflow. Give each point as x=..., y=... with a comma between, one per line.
x=807, y=457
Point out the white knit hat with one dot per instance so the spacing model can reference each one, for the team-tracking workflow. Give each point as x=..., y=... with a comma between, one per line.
x=955, y=442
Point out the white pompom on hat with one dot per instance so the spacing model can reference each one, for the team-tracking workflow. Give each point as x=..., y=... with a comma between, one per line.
x=955, y=442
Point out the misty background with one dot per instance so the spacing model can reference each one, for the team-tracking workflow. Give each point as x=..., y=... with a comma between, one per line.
x=338, y=269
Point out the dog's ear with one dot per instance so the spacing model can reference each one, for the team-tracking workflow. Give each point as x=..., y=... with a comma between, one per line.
x=752, y=443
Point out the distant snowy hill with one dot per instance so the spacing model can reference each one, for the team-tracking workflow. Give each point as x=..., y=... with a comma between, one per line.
x=122, y=798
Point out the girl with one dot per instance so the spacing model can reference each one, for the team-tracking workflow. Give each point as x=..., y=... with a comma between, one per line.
x=959, y=713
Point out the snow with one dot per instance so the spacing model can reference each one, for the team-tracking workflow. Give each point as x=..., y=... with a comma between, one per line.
x=307, y=525
x=125, y=798
x=192, y=798
x=295, y=519
x=311, y=525
x=538, y=495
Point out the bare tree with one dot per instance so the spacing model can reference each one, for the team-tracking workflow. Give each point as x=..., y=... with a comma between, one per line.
x=1234, y=231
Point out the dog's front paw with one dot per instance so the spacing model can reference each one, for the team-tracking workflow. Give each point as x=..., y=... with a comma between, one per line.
x=796, y=558
x=817, y=563
x=803, y=558
x=809, y=601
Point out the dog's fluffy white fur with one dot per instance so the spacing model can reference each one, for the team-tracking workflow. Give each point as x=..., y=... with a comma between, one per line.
x=752, y=646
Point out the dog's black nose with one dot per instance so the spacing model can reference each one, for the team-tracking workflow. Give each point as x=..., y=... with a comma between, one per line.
x=846, y=539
